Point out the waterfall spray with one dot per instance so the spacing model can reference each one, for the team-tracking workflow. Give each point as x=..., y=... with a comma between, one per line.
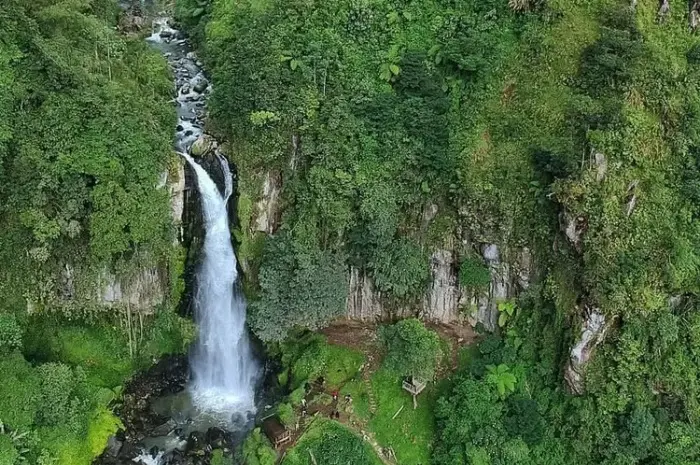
x=223, y=368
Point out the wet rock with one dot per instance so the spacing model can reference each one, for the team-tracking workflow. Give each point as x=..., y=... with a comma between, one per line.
x=166, y=33
x=196, y=441
x=199, y=83
x=216, y=438
x=204, y=145
x=114, y=446
x=164, y=429
x=191, y=56
x=593, y=329
x=185, y=89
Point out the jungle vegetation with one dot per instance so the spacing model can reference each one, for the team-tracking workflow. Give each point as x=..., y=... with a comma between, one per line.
x=509, y=116
x=85, y=135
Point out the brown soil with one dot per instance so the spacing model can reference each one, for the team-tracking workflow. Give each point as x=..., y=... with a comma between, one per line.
x=363, y=337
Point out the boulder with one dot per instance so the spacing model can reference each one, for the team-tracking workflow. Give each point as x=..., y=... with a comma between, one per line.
x=196, y=441
x=199, y=83
x=114, y=446
x=132, y=22
x=204, y=145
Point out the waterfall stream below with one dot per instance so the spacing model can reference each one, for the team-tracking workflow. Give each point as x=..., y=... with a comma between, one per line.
x=182, y=409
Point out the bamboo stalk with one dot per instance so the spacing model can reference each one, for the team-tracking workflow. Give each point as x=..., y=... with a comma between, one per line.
x=398, y=411
x=313, y=459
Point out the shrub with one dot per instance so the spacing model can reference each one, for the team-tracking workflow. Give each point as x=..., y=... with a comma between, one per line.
x=693, y=55
x=400, y=269
x=10, y=333
x=102, y=425
x=411, y=348
x=8, y=453
x=19, y=392
x=473, y=274
x=301, y=286
x=257, y=450
x=57, y=383
x=287, y=415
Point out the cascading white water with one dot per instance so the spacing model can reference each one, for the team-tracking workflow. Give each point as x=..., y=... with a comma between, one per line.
x=223, y=368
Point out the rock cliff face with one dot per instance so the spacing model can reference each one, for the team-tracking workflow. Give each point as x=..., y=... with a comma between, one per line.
x=267, y=209
x=143, y=288
x=445, y=301
x=141, y=293
x=593, y=328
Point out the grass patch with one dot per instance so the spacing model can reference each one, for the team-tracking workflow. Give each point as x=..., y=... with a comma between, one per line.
x=330, y=443
x=360, y=397
x=257, y=450
x=100, y=350
x=311, y=356
x=342, y=365
x=411, y=432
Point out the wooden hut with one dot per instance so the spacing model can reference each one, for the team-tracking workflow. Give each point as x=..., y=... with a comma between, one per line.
x=414, y=386
x=275, y=431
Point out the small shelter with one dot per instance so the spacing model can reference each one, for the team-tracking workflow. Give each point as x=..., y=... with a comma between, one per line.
x=414, y=386
x=275, y=431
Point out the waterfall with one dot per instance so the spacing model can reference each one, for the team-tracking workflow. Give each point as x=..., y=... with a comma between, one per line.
x=223, y=368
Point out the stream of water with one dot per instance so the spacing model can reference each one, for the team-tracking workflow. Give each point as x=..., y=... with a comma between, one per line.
x=171, y=418
x=223, y=369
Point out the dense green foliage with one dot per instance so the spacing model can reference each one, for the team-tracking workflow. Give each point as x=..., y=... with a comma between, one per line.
x=84, y=141
x=516, y=119
x=257, y=450
x=307, y=356
x=302, y=287
x=81, y=156
x=621, y=420
x=330, y=443
x=411, y=349
x=55, y=408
